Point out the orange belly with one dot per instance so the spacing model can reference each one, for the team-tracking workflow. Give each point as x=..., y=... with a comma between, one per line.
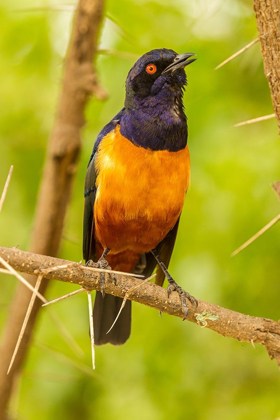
x=140, y=194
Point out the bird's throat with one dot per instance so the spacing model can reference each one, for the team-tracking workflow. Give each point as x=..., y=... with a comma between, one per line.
x=157, y=122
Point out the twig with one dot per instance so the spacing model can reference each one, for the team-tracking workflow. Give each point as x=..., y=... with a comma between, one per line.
x=126, y=297
x=91, y=329
x=237, y=54
x=22, y=280
x=257, y=235
x=6, y=186
x=64, y=297
x=255, y=120
x=21, y=334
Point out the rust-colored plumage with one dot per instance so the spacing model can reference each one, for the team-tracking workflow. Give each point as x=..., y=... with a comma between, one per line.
x=135, y=215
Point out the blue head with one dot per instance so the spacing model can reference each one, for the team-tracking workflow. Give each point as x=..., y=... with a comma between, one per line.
x=155, y=71
x=154, y=116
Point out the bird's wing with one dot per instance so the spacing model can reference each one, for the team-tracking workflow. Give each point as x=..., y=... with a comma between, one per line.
x=90, y=191
x=164, y=250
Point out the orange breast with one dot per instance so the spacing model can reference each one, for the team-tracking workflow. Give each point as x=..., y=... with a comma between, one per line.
x=140, y=193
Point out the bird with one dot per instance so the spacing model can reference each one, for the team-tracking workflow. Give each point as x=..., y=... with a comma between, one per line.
x=135, y=187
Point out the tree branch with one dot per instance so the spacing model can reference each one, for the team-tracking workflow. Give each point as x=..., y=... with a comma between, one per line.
x=79, y=82
x=224, y=321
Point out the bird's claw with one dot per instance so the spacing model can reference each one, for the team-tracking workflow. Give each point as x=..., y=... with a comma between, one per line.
x=102, y=263
x=183, y=295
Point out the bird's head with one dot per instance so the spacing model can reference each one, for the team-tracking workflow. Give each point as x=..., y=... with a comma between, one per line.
x=155, y=70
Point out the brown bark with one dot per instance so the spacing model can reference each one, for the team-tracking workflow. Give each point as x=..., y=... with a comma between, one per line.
x=224, y=321
x=268, y=21
x=79, y=82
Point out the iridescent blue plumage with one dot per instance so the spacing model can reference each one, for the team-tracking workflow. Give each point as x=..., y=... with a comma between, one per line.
x=154, y=113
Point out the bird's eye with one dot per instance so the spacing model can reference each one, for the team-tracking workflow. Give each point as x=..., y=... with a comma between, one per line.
x=151, y=68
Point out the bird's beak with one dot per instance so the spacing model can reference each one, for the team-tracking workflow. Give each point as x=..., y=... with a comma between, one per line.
x=180, y=61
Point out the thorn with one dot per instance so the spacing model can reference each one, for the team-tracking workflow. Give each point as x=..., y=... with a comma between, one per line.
x=6, y=186
x=257, y=235
x=64, y=297
x=4, y=271
x=91, y=329
x=103, y=270
x=255, y=120
x=56, y=267
x=237, y=53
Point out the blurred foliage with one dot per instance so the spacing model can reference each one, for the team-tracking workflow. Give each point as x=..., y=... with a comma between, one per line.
x=168, y=369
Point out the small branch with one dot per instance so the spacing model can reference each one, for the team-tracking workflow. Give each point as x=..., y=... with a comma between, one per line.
x=257, y=235
x=237, y=54
x=255, y=120
x=224, y=321
x=6, y=186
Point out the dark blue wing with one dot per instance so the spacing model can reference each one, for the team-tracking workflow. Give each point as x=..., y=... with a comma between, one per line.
x=90, y=191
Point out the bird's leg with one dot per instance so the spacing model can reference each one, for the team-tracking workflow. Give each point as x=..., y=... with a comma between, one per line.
x=103, y=264
x=173, y=286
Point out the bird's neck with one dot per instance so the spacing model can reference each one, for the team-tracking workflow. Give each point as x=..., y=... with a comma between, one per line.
x=157, y=122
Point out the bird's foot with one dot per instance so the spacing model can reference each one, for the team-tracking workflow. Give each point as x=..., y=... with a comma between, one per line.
x=183, y=295
x=103, y=264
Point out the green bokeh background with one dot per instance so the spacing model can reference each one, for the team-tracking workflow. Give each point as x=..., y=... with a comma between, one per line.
x=168, y=369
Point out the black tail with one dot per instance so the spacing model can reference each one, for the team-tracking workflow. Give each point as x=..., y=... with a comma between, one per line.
x=105, y=311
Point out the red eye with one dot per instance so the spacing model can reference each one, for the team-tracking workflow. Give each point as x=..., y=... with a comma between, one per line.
x=151, y=68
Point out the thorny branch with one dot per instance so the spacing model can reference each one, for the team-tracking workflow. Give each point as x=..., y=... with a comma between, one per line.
x=78, y=83
x=224, y=321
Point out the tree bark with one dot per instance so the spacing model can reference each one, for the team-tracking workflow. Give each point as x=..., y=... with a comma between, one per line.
x=224, y=321
x=79, y=82
x=268, y=21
